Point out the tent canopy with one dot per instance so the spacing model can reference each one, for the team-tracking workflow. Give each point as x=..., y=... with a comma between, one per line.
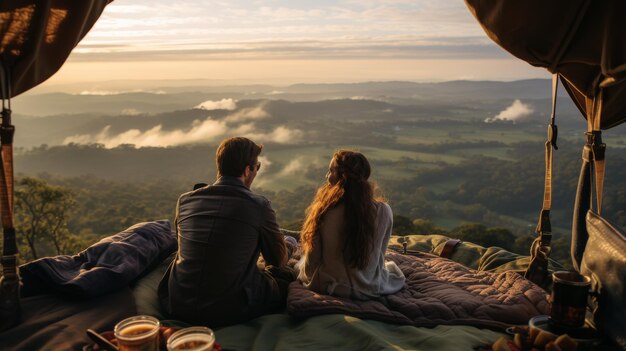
x=37, y=36
x=582, y=40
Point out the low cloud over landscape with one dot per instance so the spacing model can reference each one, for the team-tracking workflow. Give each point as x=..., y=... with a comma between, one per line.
x=201, y=131
x=119, y=92
x=224, y=104
x=517, y=111
x=247, y=114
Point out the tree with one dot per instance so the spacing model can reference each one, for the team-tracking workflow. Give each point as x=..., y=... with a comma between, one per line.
x=480, y=234
x=41, y=212
x=523, y=243
x=402, y=225
x=424, y=226
x=467, y=231
x=500, y=237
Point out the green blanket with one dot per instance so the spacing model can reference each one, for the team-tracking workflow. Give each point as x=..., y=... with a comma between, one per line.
x=340, y=332
x=491, y=259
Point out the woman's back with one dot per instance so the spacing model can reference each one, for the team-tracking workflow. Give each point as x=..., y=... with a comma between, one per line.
x=324, y=269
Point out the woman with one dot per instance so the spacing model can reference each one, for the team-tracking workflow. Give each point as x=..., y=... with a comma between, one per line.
x=345, y=235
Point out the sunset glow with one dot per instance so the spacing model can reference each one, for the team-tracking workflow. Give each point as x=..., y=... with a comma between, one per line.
x=282, y=42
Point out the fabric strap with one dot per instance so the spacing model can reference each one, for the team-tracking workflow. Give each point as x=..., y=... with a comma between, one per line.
x=592, y=168
x=449, y=247
x=598, y=148
x=537, y=271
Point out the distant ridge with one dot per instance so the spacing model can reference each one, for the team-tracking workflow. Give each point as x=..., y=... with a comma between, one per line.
x=176, y=98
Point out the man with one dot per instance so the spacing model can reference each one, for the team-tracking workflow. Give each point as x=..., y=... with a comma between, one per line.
x=214, y=279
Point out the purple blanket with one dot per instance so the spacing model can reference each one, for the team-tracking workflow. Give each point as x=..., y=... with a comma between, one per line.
x=108, y=265
x=438, y=291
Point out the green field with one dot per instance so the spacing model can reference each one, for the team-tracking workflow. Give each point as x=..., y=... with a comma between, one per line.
x=464, y=132
x=289, y=168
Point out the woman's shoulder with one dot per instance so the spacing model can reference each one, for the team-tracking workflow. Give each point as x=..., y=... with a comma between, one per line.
x=383, y=208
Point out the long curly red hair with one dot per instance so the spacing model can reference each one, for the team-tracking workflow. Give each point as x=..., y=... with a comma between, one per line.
x=347, y=183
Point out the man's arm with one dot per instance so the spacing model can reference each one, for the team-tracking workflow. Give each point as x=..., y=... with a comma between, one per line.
x=177, y=217
x=273, y=246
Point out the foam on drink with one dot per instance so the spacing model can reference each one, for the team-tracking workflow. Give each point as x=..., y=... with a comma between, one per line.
x=192, y=339
x=139, y=333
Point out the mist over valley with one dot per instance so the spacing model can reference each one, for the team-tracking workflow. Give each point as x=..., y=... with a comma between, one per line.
x=452, y=153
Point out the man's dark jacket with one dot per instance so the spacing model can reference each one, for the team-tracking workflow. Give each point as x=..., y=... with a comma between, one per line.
x=214, y=278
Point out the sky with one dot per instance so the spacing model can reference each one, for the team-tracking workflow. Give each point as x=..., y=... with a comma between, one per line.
x=286, y=42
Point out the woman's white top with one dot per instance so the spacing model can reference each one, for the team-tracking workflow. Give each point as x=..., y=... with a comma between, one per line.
x=324, y=269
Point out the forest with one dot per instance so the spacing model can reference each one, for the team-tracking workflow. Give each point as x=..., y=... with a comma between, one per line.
x=464, y=159
x=486, y=200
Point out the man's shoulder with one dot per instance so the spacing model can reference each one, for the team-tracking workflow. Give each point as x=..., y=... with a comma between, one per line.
x=182, y=197
x=260, y=199
x=224, y=190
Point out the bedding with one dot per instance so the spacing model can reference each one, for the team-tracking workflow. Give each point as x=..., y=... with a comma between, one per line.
x=53, y=323
x=106, y=266
x=438, y=292
x=492, y=259
x=325, y=332
x=340, y=332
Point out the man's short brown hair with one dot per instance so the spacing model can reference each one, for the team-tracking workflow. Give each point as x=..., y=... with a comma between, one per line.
x=235, y=154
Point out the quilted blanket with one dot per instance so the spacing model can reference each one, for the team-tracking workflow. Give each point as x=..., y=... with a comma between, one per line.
x=438, y=292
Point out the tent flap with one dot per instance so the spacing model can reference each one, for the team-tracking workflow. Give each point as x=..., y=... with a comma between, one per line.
x=582, y=40
x=37, y=36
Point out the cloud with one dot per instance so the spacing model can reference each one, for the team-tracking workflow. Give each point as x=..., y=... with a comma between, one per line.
x=275, y=92
x=293, y=167
x=353, y=46
x=109, y=92
x=98, y=92
x=517, y=111
x=206, y=30
x=224, y=104
x=251, y=113
x=299, y=165
x=130, y=112
x=367, y=98
x=239, y=122
x=280, y=135
x=285, y=14
x=200, y=132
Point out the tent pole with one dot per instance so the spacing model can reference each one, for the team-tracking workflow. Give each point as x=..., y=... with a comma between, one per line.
x=10, y=309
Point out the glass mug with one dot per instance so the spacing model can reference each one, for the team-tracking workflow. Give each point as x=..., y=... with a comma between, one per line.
x=192, y=339
x=139, y=333
x=569, y=299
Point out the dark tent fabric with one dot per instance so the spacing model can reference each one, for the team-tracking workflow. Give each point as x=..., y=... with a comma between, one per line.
x=582, y=40
x=52, y=322
x=37, y=36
